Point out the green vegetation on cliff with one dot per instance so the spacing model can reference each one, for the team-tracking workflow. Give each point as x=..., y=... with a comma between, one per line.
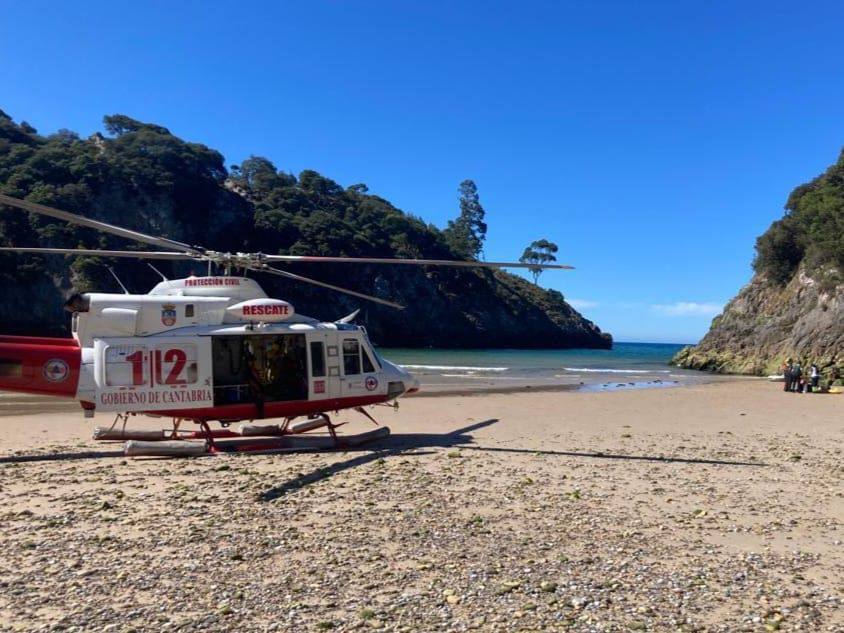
x=794, y=305
x=143, y=177
x=811, y=233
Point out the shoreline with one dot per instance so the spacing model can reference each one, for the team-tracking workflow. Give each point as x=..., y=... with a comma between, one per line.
x=460, y=389
x=12, y=404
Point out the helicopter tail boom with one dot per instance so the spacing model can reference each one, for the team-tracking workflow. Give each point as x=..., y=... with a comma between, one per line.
x=40, y=365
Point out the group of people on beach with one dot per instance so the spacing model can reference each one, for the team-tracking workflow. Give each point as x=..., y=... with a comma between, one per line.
x=798, y=380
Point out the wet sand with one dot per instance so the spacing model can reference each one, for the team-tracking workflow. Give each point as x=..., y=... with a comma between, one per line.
x=716, y=507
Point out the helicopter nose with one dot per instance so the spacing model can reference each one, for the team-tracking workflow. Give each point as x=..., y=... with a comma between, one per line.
x=402, y=379
x=411, y=383
x=412, y=386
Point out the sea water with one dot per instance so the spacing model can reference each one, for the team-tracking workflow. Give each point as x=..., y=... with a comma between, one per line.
x=627, y=365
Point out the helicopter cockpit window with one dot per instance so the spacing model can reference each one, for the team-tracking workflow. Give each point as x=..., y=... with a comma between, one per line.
x=351, y=356
x=368, y=367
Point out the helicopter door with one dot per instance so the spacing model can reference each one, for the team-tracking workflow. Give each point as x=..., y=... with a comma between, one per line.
x=360, y=372
x=323, y=366
x=150, y=374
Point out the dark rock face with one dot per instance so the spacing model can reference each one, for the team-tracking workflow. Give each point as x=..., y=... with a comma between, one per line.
x=35, y=308
x=479, y=310
x=766, y=323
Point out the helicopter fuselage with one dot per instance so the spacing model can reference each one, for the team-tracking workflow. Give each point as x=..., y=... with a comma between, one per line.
x=202, y=348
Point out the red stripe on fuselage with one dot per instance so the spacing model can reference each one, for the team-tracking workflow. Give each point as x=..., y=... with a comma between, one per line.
x=40, y=365
x=291, y=409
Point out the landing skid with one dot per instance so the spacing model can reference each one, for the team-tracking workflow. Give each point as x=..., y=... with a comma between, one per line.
x=247, y=438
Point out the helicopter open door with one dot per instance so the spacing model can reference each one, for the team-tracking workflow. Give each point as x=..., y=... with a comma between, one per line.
x=259, y=367
x=133, y=374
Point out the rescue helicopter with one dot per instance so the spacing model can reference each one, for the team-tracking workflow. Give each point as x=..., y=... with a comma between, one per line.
x=208, y=349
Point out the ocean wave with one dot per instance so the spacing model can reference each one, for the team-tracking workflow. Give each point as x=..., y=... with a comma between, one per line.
x=618, y=371
x=472, y=376
x=454, y=368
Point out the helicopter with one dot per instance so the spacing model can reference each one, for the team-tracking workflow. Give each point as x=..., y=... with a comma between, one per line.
x=205, y=349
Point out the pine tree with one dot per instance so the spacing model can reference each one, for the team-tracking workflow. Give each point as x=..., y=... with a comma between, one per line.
x=465, y=235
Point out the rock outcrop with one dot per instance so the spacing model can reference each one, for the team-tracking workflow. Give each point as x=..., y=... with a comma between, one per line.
x=766, y=324
x=794, y=305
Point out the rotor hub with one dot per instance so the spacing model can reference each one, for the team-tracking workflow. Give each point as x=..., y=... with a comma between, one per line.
x=235, y=260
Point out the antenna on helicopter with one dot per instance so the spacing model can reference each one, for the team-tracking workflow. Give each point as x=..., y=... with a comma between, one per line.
x=349, y=317
x=160, y=274
x=117, y=279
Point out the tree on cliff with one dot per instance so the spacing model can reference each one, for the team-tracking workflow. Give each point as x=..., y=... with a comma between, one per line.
x=811, y=233
x=779, y=315
x=538, y=253
x=120, y=124
x=467, y=233
x=258, y=176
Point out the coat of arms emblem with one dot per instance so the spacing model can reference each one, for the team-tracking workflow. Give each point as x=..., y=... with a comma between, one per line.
x=55, y=370
x=168, y=314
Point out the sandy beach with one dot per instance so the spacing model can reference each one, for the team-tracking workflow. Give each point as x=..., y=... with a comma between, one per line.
x=709, y=507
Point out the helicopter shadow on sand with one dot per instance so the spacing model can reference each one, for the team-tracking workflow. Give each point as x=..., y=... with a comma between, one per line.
x=394, y=444
x=407, y=444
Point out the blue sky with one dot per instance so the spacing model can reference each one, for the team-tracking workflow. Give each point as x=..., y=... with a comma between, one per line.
x=653, y=141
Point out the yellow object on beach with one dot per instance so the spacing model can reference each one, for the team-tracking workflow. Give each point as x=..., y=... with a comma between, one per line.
x=836, y=390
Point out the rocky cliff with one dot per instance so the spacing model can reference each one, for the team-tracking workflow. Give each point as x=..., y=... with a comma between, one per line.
x=766, y=323
x=143, y=177
x=794, y=305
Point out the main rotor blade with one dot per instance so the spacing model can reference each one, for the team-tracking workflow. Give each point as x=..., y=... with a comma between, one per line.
x=96, y=252
x=413, y=262
x=73, y=218
x=307, y=280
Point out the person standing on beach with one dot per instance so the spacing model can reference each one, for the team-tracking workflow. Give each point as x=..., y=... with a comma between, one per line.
x=786, y=374
x=815, y=375
x=796, y=374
